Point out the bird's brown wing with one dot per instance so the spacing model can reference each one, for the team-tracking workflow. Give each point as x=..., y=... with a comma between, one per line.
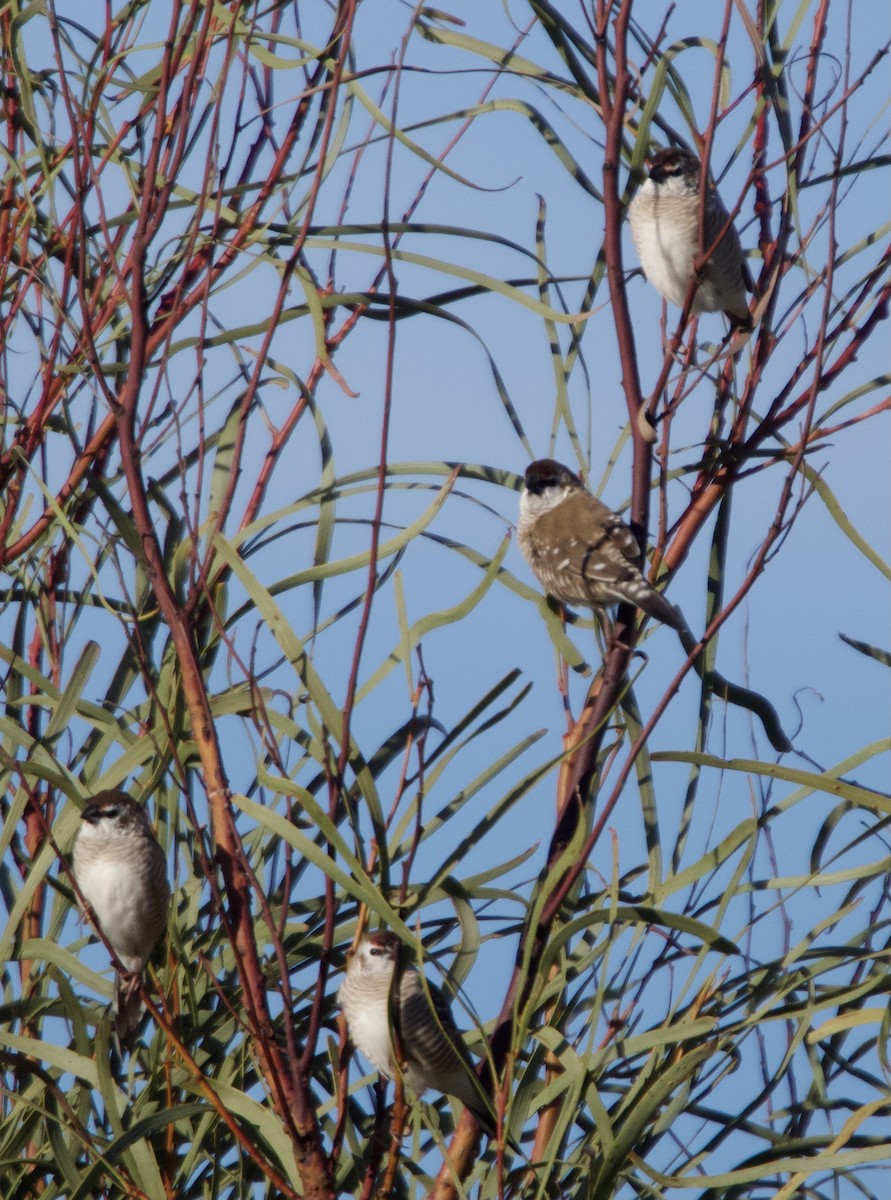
x=432, y=1043
x=621, y=545
x=606, y=551
x=726, y=268
x=438, y=1042
x=160, y=888
x=605, y=562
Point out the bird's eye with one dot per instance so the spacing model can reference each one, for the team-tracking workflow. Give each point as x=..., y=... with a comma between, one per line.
x=110, y=812
x=375, y=951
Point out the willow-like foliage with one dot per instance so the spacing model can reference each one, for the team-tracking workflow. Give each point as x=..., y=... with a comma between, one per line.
x=290, y=294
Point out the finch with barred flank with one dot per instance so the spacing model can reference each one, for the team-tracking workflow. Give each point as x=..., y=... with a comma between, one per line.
x=429, y=1040
x=580, y=550
x=664, y=219
x=121, y=872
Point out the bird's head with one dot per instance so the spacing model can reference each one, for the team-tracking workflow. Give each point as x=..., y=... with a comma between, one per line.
x=113, y=813
x=548, y=483
x=545, y=474
x=377, y=954
x=674, y=165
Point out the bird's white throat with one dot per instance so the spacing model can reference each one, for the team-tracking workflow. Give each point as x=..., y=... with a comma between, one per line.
x=535, y=504
x=671, y=185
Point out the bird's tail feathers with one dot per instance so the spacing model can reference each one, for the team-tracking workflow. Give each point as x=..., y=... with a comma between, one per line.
x=740, y=319
x=657, y=606
x=129, y=1009
x=471, y=1095
x=488, y=1121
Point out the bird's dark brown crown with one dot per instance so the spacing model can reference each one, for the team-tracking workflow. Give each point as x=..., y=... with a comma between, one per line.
x=546, y=473
x=668, y=164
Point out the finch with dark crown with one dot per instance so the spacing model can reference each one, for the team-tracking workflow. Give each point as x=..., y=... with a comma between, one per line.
x=121, y=872
x=580, y=550
x=664, y=218
x=431, y=1046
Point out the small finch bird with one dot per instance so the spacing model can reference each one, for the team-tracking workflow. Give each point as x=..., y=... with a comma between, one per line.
x=664, y=218
x=429, y=1040
x=580, y=550
x=121, y=872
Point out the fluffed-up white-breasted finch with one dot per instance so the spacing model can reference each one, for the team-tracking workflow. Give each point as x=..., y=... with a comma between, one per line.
x=432, y=1051
x=581, y=551
x=121, y=873
x=664, y=217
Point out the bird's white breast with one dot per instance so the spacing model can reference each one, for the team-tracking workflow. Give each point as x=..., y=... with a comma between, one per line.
x=665, y=231
x=370, y=1031
x=114, y=892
